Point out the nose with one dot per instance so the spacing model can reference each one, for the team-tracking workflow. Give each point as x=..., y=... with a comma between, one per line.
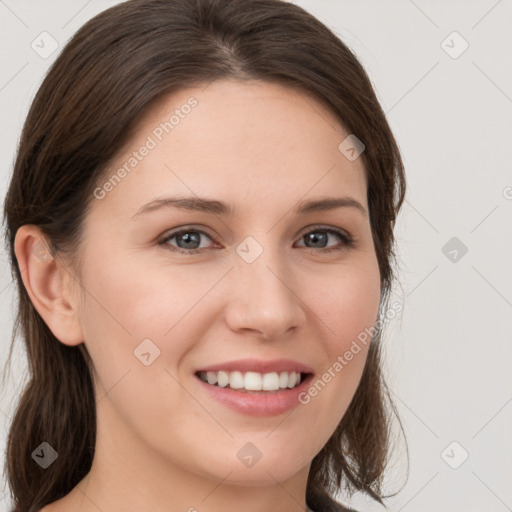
x=264, y=299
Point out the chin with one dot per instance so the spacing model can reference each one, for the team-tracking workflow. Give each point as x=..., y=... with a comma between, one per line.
x=264, y=477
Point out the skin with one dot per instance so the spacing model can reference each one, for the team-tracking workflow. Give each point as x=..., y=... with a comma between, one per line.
x=262, y=148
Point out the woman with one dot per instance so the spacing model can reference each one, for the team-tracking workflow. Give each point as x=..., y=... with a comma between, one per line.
x=200, y=222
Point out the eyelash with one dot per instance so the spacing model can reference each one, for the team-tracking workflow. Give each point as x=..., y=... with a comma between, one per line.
x=347, y=240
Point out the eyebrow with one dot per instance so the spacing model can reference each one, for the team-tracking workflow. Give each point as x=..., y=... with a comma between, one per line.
x=220, y=208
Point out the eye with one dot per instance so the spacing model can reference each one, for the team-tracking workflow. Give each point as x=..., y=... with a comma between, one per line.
x=188, y=240
x=320, y=235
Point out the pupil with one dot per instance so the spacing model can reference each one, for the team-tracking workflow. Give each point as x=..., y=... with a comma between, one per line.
x=315, y=237
x=188, y=238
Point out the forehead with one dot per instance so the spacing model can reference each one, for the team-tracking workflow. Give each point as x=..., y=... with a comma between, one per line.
x=241, y=142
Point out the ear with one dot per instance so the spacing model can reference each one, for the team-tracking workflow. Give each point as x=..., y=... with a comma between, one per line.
x=48, y=285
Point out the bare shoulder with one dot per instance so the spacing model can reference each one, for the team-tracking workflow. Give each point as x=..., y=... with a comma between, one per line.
x=74, y=501
x=63, y=505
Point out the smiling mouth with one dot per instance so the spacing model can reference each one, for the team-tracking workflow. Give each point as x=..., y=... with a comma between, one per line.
x=253, y=382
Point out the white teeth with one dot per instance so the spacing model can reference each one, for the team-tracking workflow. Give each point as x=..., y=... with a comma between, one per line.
x=270, y=381
x=212, y=377
x=252, y=381
x=236, y=380
x=222, y=379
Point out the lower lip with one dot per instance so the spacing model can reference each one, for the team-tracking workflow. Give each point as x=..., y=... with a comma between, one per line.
x=258, y=403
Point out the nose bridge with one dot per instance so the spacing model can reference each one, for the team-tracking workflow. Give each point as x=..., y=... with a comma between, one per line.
x=261, y=296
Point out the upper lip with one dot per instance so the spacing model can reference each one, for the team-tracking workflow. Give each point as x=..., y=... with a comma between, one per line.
x=259, y=365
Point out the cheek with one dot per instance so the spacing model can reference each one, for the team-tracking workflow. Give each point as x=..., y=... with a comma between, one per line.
x=125, y=323
x=125, y=307
x=350, y=304
x=137, y=301
x=349, y=308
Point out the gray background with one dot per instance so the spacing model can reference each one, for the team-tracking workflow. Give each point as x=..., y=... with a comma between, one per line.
x=448, y=355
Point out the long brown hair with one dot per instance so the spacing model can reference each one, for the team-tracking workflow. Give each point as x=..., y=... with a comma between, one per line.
x=111, y=71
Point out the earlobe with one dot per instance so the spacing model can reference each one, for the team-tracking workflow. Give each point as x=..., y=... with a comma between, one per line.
x=44, y=280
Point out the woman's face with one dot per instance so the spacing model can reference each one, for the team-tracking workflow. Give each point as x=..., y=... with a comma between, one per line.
x=258, y=284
